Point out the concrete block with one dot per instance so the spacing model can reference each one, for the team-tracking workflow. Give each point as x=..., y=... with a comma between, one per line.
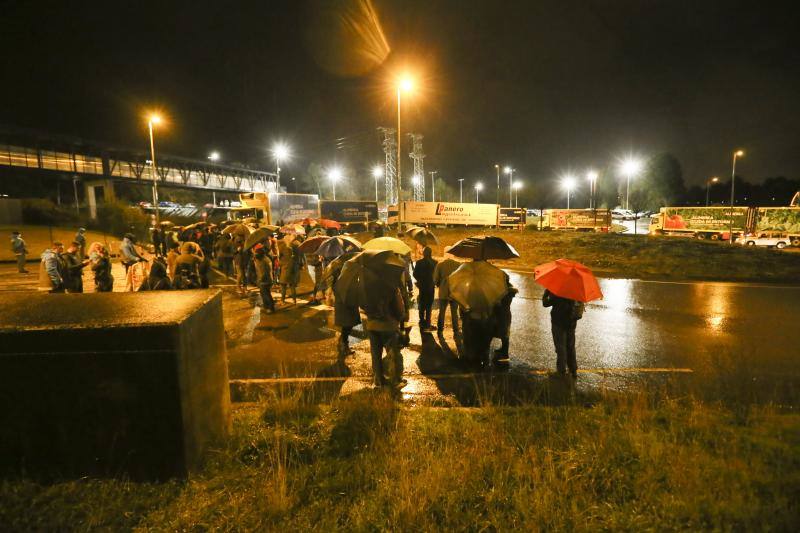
x=107, y=384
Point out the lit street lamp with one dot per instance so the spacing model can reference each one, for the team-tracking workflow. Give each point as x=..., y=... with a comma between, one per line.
x=154, y=120
x=736, y=154
x=478, y=189
x=708, y=184
x=497, y=168
x=517, y=187
x=592, y=177
x=377, y=173
x=281, y=152
x=568, y=183
x=510, y=172
x=213, y=156
x=415, y=181
x=334, y=175
x=630, y=167
x=461, y=190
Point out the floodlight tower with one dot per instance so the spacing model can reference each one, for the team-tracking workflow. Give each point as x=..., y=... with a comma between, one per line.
x=417, y=155
x=390, y=172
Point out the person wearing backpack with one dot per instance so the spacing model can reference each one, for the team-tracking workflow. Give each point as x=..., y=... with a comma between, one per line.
x=564, y=317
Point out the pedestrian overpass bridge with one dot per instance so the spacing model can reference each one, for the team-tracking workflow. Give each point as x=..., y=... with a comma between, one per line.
x=98, y=166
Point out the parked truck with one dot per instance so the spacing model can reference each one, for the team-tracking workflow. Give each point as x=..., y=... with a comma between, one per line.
x=349, y=213
x=276, y=208
x=598, y=220
x=715, y=222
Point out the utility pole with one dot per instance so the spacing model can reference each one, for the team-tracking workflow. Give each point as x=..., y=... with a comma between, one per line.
x=417, y=156
x=497, y=200
x=433, y=184
x=390, y=172
x=461, y=190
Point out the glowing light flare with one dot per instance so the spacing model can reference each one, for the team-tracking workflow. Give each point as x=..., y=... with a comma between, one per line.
x=479, y=186
x=335, y=174
x=592, y=175
x=739, y=153
x=406, y=84
x=568, y=182
x=517, y=185
x=377, y=171
x=154, y=119
x=213, y=156
x=280, y=151
x=630, y=166
x=415, y=180
x=507, y=170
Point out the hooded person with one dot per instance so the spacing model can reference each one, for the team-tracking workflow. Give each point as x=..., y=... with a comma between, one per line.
x=51, y=269
x=157, y=280
x=101, y=268
x=423, y=274
x=128, y=253
x=187, y=273
x=263, y=265
x=292, y=261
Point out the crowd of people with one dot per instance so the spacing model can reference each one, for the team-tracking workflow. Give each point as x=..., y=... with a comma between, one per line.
x=181, y=259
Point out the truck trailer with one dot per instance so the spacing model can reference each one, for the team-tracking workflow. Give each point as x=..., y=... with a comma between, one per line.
x=714, y=223
x=598, y=220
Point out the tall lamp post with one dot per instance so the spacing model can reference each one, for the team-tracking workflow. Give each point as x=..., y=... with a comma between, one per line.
x=736, y=154
x=630, y=167
x=281, y=152
x=497, y=168
x=461, y=190
x=433, y=184
x=592, y=177
x=510, y=172
x=377, y=173
x=334, y=175
x=405, y=85
x=517, y=187
x=478, y=189
x=708, y=185
x=568, y=183
x=154, y=120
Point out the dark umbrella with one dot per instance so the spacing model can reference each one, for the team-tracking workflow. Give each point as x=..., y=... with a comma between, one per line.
x=166, y=224
x=424, y=236
x=310, y=246
x=258, y=236
x=196, y=225
x=335, y=267
x=483, y=247
x=336, y=246
x=478, y=287
x=369, y=277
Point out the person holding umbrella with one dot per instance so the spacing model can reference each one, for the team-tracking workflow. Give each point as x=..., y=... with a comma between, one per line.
x=423, y=274
x=263, y=265
x=440, y=274
x=568, y=286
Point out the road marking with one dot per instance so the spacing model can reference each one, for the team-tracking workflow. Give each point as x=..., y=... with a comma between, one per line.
x=323, y=379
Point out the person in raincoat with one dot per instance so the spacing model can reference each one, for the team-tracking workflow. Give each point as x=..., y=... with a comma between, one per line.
x=263, y=265
x=440, y=274
x=223, y=250
x=73, y=268
x=20, y=251
x=564, y=316
x=187, y=274
x=384, y=319
x=345, y=317
x=157, y=280
x=130, y=256
x=101, y=268
x=291, y=264
x=315, y=267
x=423, y=274
x=51, y=269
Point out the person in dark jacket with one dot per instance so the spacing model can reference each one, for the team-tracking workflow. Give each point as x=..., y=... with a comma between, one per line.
x=157, y=238
x=158, y=279
x=20, y=250
x=101, y=268
x=80, y=238
x=263, y=265
x=73, y=268
x=423, y=274
x=564, y=317
x=440, y=274
x=223, y=251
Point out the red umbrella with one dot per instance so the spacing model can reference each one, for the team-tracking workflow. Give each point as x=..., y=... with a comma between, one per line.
x=568, y=279
x=308, y=222
x=328, y=224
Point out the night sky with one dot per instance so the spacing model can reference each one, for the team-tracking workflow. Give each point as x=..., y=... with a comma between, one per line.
x=547, y=86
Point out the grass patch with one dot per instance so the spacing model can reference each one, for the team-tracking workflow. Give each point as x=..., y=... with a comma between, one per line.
x=365, y=463
x=641, y=256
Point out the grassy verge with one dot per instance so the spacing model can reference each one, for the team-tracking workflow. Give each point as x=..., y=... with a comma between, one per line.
x=365, y=463
x=641, y=256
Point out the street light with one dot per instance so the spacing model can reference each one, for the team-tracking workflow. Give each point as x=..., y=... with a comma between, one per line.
x=629, y=167
x=213, y=156
x=708, y=184
x=377, y=173
x=461, y=190
x=335, y=174
x=517, y=187
x=154, y=119
x=281, y=152
x=510, y=172
x=592, y=177
x=568, y=183
x=478, y=189
x=405, y=84
x=736, y=154
x=497, y=168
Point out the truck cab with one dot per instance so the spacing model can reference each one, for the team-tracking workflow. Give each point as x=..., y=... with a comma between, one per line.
x=255, y=206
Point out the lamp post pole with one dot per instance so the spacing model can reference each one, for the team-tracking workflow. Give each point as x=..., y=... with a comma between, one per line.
x=461, y=190
x=497, y=168
x=736, y=154
x=153, y=168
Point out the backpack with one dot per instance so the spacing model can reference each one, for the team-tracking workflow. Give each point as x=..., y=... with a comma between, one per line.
x=577, y=310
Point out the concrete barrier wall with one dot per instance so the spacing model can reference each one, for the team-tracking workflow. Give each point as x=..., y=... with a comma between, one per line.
x=131, y=384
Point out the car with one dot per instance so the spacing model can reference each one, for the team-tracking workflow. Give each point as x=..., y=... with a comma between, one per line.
x=778, y=240
x=624, y=214
x=189, y=205
x=145, y=205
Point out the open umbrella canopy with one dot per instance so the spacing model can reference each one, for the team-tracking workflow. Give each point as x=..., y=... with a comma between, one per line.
x=424, y=236
x=387, y=243
x=166, y=224
x=238, y=229
x=259, y=235
x=329, y=224
x=310, y=245
x=369, y=277
x=308, y=221
x=568, y=279
x=336, y=246
x=293, y=229
x=478, y=287
x=335, y=266
x=196, y=225
x=483, y=247
x=226, y=223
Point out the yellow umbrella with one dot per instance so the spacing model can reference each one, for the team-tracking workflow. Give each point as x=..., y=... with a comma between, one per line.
x=388, y=243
